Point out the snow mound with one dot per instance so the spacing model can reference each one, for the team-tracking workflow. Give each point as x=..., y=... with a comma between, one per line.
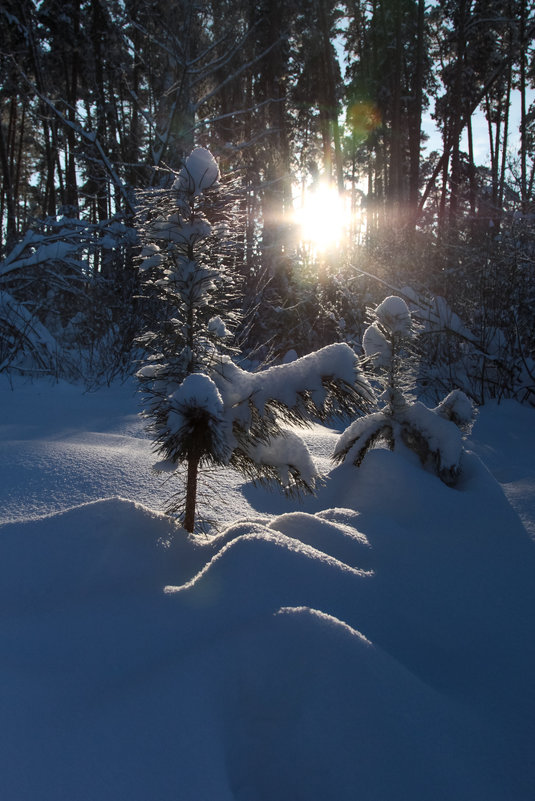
x=333, y=537
x=113, y=545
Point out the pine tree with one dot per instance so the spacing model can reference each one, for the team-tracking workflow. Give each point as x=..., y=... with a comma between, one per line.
x=190, y=284
x=435, y=435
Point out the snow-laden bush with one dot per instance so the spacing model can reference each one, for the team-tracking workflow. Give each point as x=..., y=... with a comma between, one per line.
x=487, y=361
x=67, y=303
x=435, y=435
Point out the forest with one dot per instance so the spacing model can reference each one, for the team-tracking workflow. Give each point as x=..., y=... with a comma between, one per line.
x=299, y=235
x=348, y=141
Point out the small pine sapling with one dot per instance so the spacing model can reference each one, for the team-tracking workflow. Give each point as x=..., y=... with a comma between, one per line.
x=188, y=281
x=435, y=435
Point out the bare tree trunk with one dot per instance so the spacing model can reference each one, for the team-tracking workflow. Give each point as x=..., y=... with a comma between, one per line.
x=415, y=114
x=394, y=189
x=7, y=193
x=523, y=111
x=472, y=174
x=71, y=181
x=501, y=187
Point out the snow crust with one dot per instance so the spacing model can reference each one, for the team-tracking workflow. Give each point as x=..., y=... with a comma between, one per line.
x=375, y=643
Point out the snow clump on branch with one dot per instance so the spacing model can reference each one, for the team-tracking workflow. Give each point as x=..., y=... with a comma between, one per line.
x=200, y=172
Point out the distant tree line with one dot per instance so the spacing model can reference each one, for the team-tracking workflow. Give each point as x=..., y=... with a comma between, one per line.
x=103, y=100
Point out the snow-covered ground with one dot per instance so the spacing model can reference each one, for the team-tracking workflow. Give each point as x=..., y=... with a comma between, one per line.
x=376, y=643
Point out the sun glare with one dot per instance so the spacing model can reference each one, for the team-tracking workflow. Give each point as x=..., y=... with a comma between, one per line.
x=323, y=217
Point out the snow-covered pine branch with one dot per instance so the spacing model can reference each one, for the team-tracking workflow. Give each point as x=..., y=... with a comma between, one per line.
x=318, y=386
x=259, y=406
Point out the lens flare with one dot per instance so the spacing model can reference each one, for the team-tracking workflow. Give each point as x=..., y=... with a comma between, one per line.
x=363, y=117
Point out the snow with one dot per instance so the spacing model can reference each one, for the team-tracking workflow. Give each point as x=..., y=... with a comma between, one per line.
x=392, y=318
x=151, y=256
x=200, y=172
x=284, y=452
x=285, y=382
x=54, y=251
x=217, y=327
x=458, y=408
x=376, y=346
x=376, y=642
x=442, y=436
x=394, y=314
x=199, y=390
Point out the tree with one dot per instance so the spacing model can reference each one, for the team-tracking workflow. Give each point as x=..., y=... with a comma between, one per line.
x=387, y=77
x=433, y=434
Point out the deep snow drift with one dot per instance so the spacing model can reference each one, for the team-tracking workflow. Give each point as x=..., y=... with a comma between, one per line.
x=376, y=643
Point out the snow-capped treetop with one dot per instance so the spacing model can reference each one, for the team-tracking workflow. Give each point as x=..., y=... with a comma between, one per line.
x=195, y=426
x=433, y=434
x=392, y=322
x=198, y=389
x=200, y=172
x=393, y=313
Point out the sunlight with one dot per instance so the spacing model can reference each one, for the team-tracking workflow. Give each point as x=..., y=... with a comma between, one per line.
x=323, y=217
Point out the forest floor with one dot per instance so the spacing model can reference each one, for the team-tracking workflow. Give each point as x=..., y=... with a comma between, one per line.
x=375, y=642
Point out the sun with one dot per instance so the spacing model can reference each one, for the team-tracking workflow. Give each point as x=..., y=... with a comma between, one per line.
x=323, y=217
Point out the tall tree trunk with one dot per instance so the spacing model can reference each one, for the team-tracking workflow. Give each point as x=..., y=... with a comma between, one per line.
x=71, y=182
x=523, y=110
x=472, y=171
x=458, y=112
x=415, y=114
x=332, y=130
x=7, y=193
x=501, y=189
x=394, y=189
